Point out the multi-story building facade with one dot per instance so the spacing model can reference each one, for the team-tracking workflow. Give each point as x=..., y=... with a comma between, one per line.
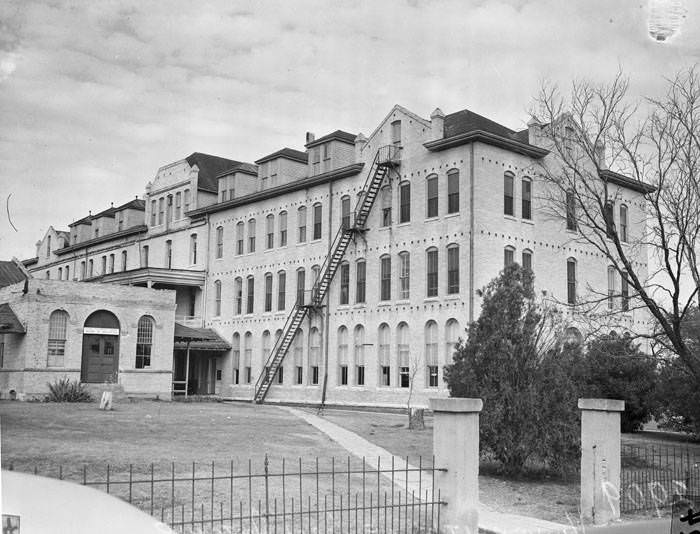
x=242, y=243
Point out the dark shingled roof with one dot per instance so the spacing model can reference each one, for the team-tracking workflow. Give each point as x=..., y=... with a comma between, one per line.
x=10, y=273
x=338, y=135
x=135, y=204
x=289, y=153
x=467, y=121
x=209, y=168
x=199, y=338
x=9, y=323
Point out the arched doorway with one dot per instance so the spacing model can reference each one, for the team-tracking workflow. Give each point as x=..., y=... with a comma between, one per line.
x=100, y=348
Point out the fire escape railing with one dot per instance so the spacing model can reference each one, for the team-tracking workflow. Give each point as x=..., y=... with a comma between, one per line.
x=386, y=158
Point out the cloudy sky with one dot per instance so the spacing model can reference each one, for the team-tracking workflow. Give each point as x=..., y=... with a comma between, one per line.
x=95, y=96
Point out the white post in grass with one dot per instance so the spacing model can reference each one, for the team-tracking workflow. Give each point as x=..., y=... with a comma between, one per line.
x=600, y=459
x=456, y=449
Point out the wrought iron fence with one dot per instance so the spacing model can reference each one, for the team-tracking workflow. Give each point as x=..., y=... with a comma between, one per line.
x=306, y=495
x=651, y=475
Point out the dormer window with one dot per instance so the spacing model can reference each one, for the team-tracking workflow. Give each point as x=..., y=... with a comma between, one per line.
x=327, y=151
x=316, y=155
x=97, y=232
x=120, y=221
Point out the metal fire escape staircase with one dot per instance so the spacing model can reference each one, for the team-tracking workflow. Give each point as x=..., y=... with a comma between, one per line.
x=385, y=159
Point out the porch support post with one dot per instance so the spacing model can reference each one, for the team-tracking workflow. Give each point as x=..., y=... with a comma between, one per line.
x=456, y=449
x=600, y=459
x=187, y=369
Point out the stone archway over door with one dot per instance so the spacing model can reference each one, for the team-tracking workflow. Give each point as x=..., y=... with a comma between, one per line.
x=100, y=361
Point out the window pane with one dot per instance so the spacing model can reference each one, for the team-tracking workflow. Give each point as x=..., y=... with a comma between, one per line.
x=405, y=200
x=385, y=278
x=453, y=270
x=432, y=208
x=453, y=192
x=527, y=200
x=360, y=290
x=432, y=272
x=508, y=195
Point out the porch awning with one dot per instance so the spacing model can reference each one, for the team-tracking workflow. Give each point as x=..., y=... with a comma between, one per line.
x=199, y=339
x=9, y=323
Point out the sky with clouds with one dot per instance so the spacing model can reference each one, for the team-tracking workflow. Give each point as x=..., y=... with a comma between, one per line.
x=95, y=96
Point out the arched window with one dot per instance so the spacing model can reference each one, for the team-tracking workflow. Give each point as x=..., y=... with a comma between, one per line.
x=283, y=228
x=609, y=218
x=431, y=270
x=571, y=281
x=251, y=235
x=508, y=256
x=280, y=370
x=452, y=269
x=67, y=272
x=431, y=354
x=623, y=223
x=526, y=201
x=301, y=283
x=453, y=191
x=451, y=339
x=58, y=321
x=123, y=260
x=359, y=346
x=625, y=291
x=318, y=218
x=402, y=348
x=314, y=355
x=611, y=287
x=404, y=275
x=144, y=342
x=360, y=281
x=265, y=351
x=248, y=357
x=571, y=223
x=298, y=353
x=344, y=283
x=385, y=278
x=238, y=295
x=404, y=202
x=431, y=186
x=250, y=300
x=219, y=242
x=236, y=357
x=386, y=206
x=527, y=259
x=217, y=302
x=60, y=273
x=281, y=290
x=384, y=356
x=240, y=237
x=268, y=292
x=301, y=223
x=508, y=194
x=270, y=231
x=345, y=212
x=343, y=356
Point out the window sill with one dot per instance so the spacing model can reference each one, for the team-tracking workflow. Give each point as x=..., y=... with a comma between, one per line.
x=402, y=302
x=316, y=240
x=431, y=299
x=510, y=217
x=359, y=305
x=431, y=219
x=402, y=224
x=384, y=228
x=343, y=307
x=453, y=296
x=384, y=304
x=301, y=243
x=528, y=221
x=452, y=215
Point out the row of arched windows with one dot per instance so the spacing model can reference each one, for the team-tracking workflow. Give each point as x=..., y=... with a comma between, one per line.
x=397, y=364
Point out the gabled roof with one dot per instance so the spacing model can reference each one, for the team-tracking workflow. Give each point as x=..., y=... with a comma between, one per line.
x=135, y=204
x=209, y=168
x=9, y=323
x=338, y=135
x=467, y=121
x=10, y=273
x=287, y=153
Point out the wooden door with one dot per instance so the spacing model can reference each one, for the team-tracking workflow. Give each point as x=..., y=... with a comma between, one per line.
x=100, y=358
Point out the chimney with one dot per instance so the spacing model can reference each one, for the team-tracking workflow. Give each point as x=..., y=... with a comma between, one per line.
x=437, y=124
x=360, y=143
x=600, y=155
x=310, y=137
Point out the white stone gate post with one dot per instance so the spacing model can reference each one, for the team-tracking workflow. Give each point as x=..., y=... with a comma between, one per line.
x=600, y=459
x=456, y=448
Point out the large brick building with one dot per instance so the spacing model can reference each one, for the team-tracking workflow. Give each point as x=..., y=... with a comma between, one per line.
x=242, y=243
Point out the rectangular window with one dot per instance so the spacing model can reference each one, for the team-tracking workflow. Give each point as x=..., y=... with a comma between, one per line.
x=239, y=295
x=187, y=200
x=609, y=220
x=385, y=278
x=104, y=265
x=405, y=276
x=571, y=282
x=250, y=301
x=301, y=215
x=344, y=283
x=301, y=281
x=178, y=205
x=361, y=273
x=168, y=254
x=281, y=290
x=452, y=270
x=405, y=203
x=508, y=256
x=111, y=263
x=571, y=211
x=326, y=151
x=432, y=273
x=268, y=292
x=344, y=375
x=299, y=375
x=623, y=223
x=432, y=197
x=251, y=235
x=625, y=290
x=220, y=242
x=527, y=260
x=396, y=132
x=153, y=212
x=161, y=210
x=453, y=192
x=318, y=213
x=314, y=375
x=217, y=291
x=404, y=377
x=508, y=195
x=124, y=260
x=283, y=229
x=385, y=375
x=386, y=206
x=527, y=200
x=193, y=249
x=611, y=287
x=433, y=376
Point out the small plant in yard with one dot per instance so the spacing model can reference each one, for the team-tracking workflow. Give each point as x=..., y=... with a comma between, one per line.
x=66, y=390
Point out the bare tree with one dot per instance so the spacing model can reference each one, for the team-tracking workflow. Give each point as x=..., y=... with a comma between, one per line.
x=415, y=416
x=603, y=147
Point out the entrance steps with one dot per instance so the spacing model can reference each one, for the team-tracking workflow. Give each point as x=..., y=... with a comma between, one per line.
x=117, y=390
